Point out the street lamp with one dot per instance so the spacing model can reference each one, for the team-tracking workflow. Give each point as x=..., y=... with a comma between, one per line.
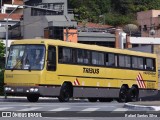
x=6, y=49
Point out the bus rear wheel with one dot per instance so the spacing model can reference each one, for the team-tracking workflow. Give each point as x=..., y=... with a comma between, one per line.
x=32, y=98
x=123, y=94
x=92, y=99
x=133, y=94
x=65, y=93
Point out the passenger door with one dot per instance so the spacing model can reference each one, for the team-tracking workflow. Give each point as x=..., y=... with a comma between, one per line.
x=51, y=75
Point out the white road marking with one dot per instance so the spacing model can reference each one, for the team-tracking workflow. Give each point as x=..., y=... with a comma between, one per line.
x=59, y=109
x=29, y=109
x=121, y=109
x=90, y=109
x=5, y=108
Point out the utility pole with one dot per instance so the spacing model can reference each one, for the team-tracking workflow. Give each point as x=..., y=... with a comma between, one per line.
x=1, y=6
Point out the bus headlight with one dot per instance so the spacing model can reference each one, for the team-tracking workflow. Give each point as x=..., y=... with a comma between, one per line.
x=7, y=89
x=33, y=89
x=36, y=89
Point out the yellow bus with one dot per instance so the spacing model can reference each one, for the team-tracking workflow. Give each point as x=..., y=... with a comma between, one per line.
x=54, y=68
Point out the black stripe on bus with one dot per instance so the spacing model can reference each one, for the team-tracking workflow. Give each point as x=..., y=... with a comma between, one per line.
x=102, y=78
x=99, y=87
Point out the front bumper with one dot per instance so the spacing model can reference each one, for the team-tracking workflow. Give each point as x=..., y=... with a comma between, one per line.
x=27, y=90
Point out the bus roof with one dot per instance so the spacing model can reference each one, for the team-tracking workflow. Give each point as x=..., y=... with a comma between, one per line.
x=83, y=46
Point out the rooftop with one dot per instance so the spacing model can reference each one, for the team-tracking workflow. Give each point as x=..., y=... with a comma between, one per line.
x=18, y=2
x=13, y=16
x=93, y=25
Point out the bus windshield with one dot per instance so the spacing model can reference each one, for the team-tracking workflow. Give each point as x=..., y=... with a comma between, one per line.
x=26, y=57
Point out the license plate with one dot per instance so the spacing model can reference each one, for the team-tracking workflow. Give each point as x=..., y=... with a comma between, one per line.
x=19, y=89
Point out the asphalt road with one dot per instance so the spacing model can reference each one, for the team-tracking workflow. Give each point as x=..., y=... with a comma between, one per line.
x=21, y=104
x=52, y=109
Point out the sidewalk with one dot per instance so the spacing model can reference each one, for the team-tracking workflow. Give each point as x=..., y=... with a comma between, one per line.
x=143, y=105
x=146, y=103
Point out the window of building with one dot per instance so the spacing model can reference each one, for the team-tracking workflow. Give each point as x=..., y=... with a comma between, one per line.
x=43, y=12
x=140, y=27
x=145, y=28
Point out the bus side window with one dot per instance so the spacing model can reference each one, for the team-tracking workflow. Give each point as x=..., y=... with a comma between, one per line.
x=65, y=55
x=111, y=60
x=150, y=64
x=80, y=55
x=51, y=59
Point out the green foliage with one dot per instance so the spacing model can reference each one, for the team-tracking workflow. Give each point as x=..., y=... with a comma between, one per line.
x=2, y=51
x=117, y=19
x=117, y=12
x=1, y=81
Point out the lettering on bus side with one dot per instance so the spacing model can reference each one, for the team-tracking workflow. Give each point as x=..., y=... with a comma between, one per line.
x=91, y=70
x=150, y=73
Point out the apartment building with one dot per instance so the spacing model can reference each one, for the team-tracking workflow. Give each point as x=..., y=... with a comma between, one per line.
x=47, y=19
x=149, y=23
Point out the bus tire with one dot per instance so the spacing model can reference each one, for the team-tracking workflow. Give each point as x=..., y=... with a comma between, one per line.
x=105, y=99
x=123, y=93
x=133, y=94
x=33, y=98
x=65, y=93
x=92, y=99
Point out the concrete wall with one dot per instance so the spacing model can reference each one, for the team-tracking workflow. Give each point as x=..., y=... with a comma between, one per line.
x=157, y=51
x=33, y=26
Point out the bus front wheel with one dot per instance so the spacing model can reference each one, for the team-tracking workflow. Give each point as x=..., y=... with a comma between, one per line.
x=65, y=93
x=32, y=98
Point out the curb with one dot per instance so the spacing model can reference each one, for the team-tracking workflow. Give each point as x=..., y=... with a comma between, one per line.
x=141, y=107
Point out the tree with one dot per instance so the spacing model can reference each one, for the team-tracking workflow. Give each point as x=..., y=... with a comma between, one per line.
x=2, y=51
x=116, y=12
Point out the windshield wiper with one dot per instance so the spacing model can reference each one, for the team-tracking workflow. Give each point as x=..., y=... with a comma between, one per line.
x=15, y=66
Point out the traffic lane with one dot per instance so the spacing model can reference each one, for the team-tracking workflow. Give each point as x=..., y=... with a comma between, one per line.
x=56, y=106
